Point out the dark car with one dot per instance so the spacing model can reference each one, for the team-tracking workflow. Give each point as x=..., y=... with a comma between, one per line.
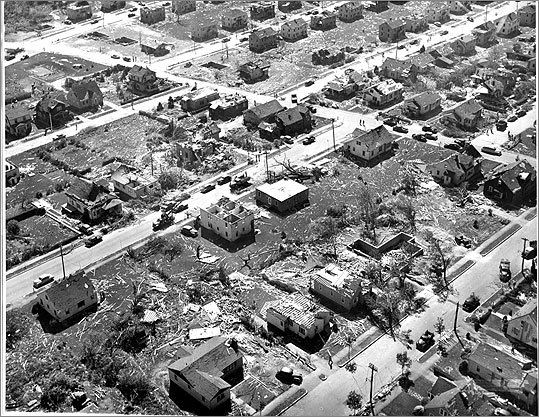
x=188, y=231
x=131, y=15
x=207, y=188
x=400, y=129
x=224, y=180
x=491, y=150
x=521, y=113
x=244, y=39
x=470, y=18
x=309, y=140
x=309, y=83
x=60, y=136
x=68, y=22
x=126, y=59
x=95, y=21
x=414, y=42
x=43, y=280
x=471, y=303
x=425, y=341
x=501, y=125
x=179, y=207
x=428, y=128
x=512, y=118
x=444, y=32
x=401, y=46
x=93, y=240
x=480, y=315
x=288, y=139
x=452, y=146
x=134, y=9
x=430, y=136
x=87, y=230
x=463, y=241
x=115, y=56
x=419, y=137
x=25, y=57
x=287, y=376
x=390, y=122
x=505, y=270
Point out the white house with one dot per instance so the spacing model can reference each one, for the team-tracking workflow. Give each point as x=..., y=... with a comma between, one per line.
x=371, y=144
x=230, y=220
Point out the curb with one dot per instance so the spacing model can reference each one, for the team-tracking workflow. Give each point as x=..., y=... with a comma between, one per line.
x=294, y=402
x=512, y=230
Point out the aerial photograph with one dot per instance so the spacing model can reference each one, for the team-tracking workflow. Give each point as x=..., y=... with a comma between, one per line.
x=296, y=208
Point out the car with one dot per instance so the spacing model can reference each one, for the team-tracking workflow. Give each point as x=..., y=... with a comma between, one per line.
x=244, y=39
x=127, y=59
x=480, y=315
x=400, y=129
x=188, y=231
x=491, y=150
x=498, y=411
x=84, y=228
x=512, y=118
x=501, y=125
x=414, y=42
x=420, y=137
x=225, y=40
x=309, y=83
x=93, y=240
x=207, y=188
x=179, y=207
x=25, y=57
x=131, y=15
x=9, y=57
x=429, y=128
x=68, y=22
x=287, y=139
x=309, y=140
x=287, y=376
x=521, y=113
x=471, y=303
x=430, y=136
x=444, y=32
x=391, y=122
x=470, y=19
x=134, y=9
x=95, y=21
x=425, y=341
x=115, y=56
x=294, y=98
x=531, y=251
x=463, y=241
x=453, y=146
x=283, y=17
x=437, y=24
x=43, y=280
x=60, y=136
x=166, y=4
x=505, y=270
x=224, y=180
x=401, y=46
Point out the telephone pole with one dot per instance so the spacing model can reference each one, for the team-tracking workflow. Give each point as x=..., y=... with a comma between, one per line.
x=62, y=256
x=333, y=129
x=455, y=325
x=373, y=370
x=525, y=240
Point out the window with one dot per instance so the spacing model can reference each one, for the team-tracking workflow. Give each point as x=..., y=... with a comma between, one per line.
x=220, y=396
x=331, y=292
x=342, y=299
x=203, y=398
x=478, y=370
x=67, y=311
x=534, y=339
x=217, y=229
x=81, y=304
x=302, y=330
x=282, y=324
x=236, y=233
x=226, y=234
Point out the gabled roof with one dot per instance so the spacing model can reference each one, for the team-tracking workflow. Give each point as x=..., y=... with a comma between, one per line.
x=374, y=138
x=421, y=60
x=264, y=110
x=395, y=64
x=529, y=309
x=471, y=107
x=394, y=23
x=426, y=98
x=488, y=357
x=16, y=112
x=528, y=9
x=466, y=39
x=85, y=189
x=508, y=174
x=86, y=89
x=442, y=385
x=51, y=100
x=264, y=33
x=139, y=70
x=291, y=116
x=299, y=22
x=455, y=163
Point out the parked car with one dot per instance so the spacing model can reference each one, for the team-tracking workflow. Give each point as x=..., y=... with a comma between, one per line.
x=164, y=221
x=68, y=22
x=401, y=46
x=84, y=228
x=425, y=341
x=453, y=146
x=414, y=42
x=521, y=113
x=531, y=251
x=43, y=280
x=309, y=83
x=226, y=40
x=444, y=32
x=207, y=188
x=244, y=39
x=505, y=270
x=25, y=57
x=224, y=180
x=93, y=240
x=294, y=98
x=309, y=140
x=470, y=19
x=437, y=24
x=430, y=136
x=188, y=231
x=134, y=9
x=179, y=207
x=287, y=139
x=131, y=15
x=462, y=142
x=288, y=376
x=126, y=59
x=480, y=315
x=471, y=303
x=95, y=21
x=115, y=56
x=400, y=129
x=429, y=128
x=463, y=241
x=501, y=125
x=512, y=118
x=60, y=136
x=491, y=150
x=391, y=122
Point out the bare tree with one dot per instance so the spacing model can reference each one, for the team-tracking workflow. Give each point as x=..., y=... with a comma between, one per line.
x=439, y=254
x=325, y=229
x=368, y=208
x=407, y=208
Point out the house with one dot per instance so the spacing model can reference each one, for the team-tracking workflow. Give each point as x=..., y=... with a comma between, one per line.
x=203, y=29
x=252, y=72
x=511, y=184
x=422, y=61
x=91, y=200
x=211, y=131
x=194, y=152
x=18, y=121
x=269, y=131
x=392, y=30
x=464, y=46
x=526, y=16
x=499, y=82
x=264, y=112
x=12, y=174
x=151, y=15
x=79, y=10
x=337, y=285
x=369, y=145
x=485, y=34
x=401, y=71
x=378, y=6
x=233, y=19
x=70, y=296
x=343, y=87
x=228, y=219
x=438, y=13
x=440, y=51
x=282, y=196
x=324, y=21
x=287, y=6
x=416, y=23
x=198, y=100
x=455, y=169
x=294, y=121
x=327, y=56
x=531, y=65
x=459, y=6
x=350, y=11
x=228, y=107
x=507, y=375
x=383, y=93
x=422, y=104
x=159, y=50
x=128, y=182
x=297, y=314
x=52, y=110
x=508, y=25
x=142, y=80
x=522, y=328
x=520, y=53
x=294, y=29
x=262, y=11
x=184, y=6
x=206, y=372
x=263, y=39
x=447, y=398
x=110, y=5
x=468, y=114
x=84, y=96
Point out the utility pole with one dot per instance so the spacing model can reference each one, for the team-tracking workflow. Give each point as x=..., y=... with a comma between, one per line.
x=267, y=166
x=525, y=240
x=373, y=370
x=455, y=325
x=63, y=266
x=333, y=129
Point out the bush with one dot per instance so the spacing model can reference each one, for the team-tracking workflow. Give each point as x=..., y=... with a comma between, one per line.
x=13, y=227
x=16, y=328
x=56, y=391
x=135, y=386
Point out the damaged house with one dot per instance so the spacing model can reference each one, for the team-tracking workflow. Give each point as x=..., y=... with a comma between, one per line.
x=454, y=170
x=228, y=219
x=91, y=200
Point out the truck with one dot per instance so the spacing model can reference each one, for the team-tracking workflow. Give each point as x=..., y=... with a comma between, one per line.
x=239, y=182
x=164, y=221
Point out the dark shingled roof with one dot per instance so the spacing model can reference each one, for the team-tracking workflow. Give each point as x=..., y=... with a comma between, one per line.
x=426, y=98
x=15, y=112
x=139, y=70
x=469, y=107
x=291, y=116
x=89, y=88
x=374, y=138
x=264, y=33
x=266, y=109
x=84, y=189
x=508, y=174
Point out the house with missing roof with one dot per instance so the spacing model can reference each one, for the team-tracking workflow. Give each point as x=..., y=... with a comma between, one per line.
x=228, y=107
x=422, y=104
x=288, y=6
x=262, y=11
x=264, y=112
x=207, y=372
x=252, y=72
x=392, y=30
x=455, y=169
x=79, y=10
x=294, y=30
x=400, y=71
x=198, y=100
x=522, y=327
x=297, y=314
x=464, y=46
x=369, y=145
x=233, y=19
x=383, y=93
x=111, y=5
x=416, y=23
x=134, y=185
x=324, y=21
x=184, y=6
x=283, y=195
x=511, y=184
x=84, y=95
x=526, y=16
x=91, y=200
x=203, y=28
x=459, y=6
x=263, y=39
x=228, y=219
x=70, y=296
x=151, y=15
x=338, y=286
x=18, y=121
x=438, y=12
x=485, y=34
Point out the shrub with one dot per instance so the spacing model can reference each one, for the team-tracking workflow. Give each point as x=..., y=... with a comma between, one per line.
x=13, y=227
x=56, y=391
x=135, y=386
x=16, y=327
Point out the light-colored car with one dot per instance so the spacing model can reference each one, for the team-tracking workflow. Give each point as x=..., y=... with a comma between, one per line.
x=189, y=231
x=491, y=150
